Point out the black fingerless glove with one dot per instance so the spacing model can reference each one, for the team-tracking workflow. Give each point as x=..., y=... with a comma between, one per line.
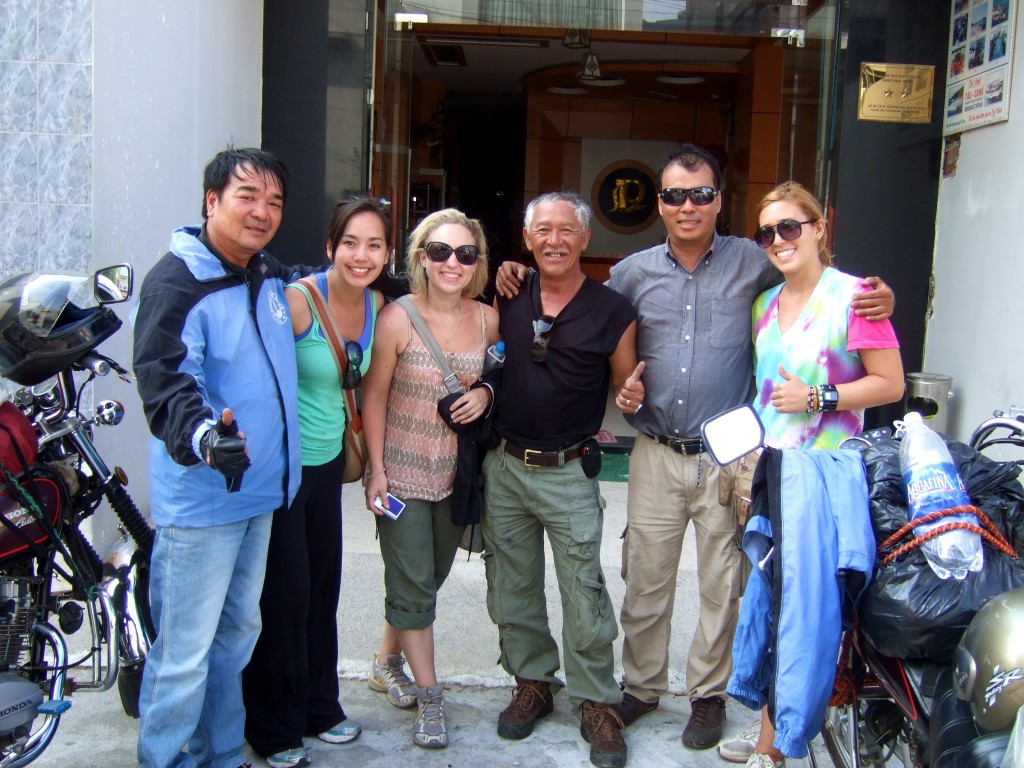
x=223, y=450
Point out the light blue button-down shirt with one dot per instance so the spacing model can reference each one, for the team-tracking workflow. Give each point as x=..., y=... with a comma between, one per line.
x=693, y=330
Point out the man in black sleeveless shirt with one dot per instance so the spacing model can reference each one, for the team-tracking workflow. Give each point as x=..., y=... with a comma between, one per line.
x=566, y=338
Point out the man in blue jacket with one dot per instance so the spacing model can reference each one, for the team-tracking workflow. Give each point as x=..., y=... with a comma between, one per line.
x=215, y=361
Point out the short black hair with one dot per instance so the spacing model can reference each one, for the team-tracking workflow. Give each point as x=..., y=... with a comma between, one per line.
x=226, y=163
x=692, y=157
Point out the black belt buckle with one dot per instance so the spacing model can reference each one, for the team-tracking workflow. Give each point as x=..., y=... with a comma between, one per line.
x=685, y=446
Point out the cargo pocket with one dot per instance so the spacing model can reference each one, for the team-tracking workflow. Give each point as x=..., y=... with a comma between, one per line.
x=595, y=620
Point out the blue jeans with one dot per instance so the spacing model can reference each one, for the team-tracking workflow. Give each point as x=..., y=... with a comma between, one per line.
x=205, y=590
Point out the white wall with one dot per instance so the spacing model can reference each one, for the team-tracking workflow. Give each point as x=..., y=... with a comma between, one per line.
x=975, y=333
x=173, y=82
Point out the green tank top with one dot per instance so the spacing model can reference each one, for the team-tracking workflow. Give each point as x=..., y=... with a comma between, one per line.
x=321, y=402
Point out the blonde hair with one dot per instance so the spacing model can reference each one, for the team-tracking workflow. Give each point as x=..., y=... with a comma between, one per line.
x=794, y=192
x=420, y=236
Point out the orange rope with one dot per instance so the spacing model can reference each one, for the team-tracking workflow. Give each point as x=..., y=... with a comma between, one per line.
x=844, y=689
x=989, y=532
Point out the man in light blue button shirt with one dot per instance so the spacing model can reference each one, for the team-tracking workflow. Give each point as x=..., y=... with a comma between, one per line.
x=693, y=295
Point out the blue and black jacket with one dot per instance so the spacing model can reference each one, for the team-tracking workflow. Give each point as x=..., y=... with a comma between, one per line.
x=209, y=336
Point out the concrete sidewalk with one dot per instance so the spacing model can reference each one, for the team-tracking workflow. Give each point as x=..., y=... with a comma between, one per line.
x=96, y=732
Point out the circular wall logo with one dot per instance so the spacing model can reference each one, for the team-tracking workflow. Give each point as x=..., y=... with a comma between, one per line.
x=625, y=197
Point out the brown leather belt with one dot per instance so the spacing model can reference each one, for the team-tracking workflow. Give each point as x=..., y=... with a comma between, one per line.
x=685, y=445
x=537, y=458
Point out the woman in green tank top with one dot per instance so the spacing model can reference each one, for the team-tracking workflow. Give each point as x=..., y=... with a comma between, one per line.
x=291, y=684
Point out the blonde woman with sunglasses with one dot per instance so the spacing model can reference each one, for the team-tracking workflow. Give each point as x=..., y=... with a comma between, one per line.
x=412, y=451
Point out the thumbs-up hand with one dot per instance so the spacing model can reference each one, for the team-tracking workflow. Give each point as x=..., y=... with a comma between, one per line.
x=223, y=447
x=789, y=396
x=631, y=394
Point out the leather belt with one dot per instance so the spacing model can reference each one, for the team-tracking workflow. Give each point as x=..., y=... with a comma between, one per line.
x=536, y=458
x=685, y=445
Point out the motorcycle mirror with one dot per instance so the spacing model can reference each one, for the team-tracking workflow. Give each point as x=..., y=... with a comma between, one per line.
x=112, y=285
x=732, y=433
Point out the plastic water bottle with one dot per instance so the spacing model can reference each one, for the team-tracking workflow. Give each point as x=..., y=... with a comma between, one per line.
x=932, y=484
x=495, y=357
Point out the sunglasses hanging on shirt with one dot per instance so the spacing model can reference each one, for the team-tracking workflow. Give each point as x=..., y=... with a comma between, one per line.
x=542, y=325
x=354, y=353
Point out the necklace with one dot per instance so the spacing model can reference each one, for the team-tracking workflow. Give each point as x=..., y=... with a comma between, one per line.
x=455, y=326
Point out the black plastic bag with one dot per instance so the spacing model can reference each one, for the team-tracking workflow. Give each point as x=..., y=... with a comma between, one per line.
x=908, y=611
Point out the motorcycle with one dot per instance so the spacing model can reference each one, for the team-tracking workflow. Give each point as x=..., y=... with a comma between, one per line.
x=52, y=580
x=918, y=712
x=913, y=710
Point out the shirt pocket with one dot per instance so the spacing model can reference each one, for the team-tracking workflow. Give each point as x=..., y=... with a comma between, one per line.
x=730, y=322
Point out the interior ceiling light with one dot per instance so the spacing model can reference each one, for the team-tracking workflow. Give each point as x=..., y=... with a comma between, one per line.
x=410, y=19
x=680, y=79
x=576, y=38
x=590, y=68
x=562, y=90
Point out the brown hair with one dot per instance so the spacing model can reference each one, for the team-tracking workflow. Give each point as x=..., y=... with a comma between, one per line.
x=794, y=192
x=421, y=236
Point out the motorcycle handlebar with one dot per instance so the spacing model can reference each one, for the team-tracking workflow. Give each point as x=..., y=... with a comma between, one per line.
x=981, y=434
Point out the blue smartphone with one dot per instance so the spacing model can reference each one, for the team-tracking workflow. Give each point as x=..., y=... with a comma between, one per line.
x=394, y=508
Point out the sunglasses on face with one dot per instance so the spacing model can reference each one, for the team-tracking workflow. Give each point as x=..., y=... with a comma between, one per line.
x=439, y=253
x=697, y=195
x=539, y=348
x=354, y=353
x=788, y=229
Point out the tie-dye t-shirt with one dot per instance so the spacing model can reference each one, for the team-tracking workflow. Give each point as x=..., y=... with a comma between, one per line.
x=820, y=347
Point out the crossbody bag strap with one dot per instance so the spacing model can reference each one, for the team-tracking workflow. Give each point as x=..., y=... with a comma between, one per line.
x=323, y=315
x=451, y=381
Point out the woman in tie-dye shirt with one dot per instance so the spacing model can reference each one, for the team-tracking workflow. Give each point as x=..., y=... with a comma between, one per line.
x=817, y=364
x=806, y=334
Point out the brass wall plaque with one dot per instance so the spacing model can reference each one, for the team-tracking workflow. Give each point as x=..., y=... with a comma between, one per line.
x=896, y=93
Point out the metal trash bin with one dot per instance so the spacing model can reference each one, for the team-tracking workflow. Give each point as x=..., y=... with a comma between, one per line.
x=929, y=394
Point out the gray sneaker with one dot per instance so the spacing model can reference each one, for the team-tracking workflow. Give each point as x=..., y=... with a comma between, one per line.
x=390, y=678
x=429, y=730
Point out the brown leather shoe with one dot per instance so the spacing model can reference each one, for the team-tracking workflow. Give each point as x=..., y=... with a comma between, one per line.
x=601, y=726
x=531, y=701
x=704, y=729
x=631, y=708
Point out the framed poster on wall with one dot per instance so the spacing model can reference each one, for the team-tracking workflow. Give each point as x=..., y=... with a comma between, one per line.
x=979, y=64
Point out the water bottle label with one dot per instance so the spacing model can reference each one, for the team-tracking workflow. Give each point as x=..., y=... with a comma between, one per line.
x=934, y=487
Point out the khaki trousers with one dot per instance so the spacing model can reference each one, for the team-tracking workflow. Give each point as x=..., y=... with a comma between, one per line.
x=663, y=500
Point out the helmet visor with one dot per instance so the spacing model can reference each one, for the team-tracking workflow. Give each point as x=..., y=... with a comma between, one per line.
x=46, y=296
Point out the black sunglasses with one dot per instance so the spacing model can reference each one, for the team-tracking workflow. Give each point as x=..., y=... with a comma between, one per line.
x=354, y=354
x=466, y=255
x=699, y=195
x=788, y=229
x=539, y=348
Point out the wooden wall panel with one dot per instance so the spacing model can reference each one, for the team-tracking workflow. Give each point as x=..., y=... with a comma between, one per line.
x=599, y=118
x=661, y=121
x=547, y=115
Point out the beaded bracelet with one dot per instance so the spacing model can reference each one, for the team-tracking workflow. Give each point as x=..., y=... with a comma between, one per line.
x=370, y=477
x=812, y=400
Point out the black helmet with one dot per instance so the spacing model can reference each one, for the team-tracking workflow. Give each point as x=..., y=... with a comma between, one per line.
x=48, y=321
x=988, y=665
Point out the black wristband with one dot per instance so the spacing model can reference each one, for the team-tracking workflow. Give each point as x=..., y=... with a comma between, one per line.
x=829, y=398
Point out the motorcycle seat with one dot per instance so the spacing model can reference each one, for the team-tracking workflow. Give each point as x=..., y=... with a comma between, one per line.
x=984, y=752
